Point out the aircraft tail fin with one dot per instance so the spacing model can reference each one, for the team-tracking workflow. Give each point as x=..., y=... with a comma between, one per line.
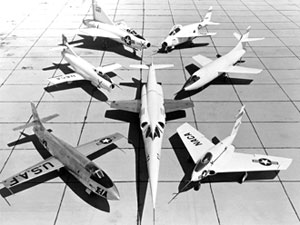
x=99, y=14
x=207, y=18
x=66, y=44
x=238, y=121
x=243, y=39
x=36, y=119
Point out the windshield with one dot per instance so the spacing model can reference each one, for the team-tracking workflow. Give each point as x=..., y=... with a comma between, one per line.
x=133, y=32
x=203, y=162
x=191, y=80
x=98, y=175
x=175, y=29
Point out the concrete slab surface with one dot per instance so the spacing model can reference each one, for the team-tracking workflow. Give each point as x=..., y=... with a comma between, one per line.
x=29, y=30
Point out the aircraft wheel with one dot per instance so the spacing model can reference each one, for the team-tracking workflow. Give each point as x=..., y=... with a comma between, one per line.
x=218, y=55
x=197, y=186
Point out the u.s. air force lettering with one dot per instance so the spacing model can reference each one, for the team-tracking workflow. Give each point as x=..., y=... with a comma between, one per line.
x=192, y=139
x=29, y=173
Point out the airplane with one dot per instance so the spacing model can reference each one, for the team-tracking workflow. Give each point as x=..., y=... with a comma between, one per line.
x=84, y=70
x=73, y=159
x=180, y=34
x=211, y=159
x=152, y=109
x=224, y=64
x=102, y=26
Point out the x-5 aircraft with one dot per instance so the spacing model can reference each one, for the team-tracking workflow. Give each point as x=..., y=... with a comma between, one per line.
x=224, y=64
x=84, y=70
x=152, y=109
x=180, y=34
x=211, y=159
x=102, y=26
x=73, y=159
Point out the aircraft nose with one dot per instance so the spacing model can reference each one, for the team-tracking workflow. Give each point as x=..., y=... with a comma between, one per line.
x=113, y=193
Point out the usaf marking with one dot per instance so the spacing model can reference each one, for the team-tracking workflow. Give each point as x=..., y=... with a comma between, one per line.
x=192, y=139
x=265, y=162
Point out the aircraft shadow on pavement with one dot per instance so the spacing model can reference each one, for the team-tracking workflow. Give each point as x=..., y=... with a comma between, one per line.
x=185, y=45
x=104, y=44
x=221, y=80
x=83, y=84
x=64, y=67
x=188, y=165
x=78, y=188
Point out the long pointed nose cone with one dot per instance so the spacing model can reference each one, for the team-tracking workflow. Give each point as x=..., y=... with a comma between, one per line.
x=113, y=193
x=153, y=178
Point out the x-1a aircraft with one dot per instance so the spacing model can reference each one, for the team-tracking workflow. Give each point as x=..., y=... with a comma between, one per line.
x=73, y=159
x=180, y=34
x=102, y=26
x=224, y=64
x=152, y=109
x=84, y=70
x=211, y=159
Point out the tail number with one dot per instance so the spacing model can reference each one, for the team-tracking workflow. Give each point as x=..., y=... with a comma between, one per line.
x=192, y=139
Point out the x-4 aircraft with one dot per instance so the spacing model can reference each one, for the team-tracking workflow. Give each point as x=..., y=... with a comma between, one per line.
x=211, y=159
x=152, y=109
x=84, y=70
x=180, y=34
x=224, y=64
x=102, y=26
x=73, y=159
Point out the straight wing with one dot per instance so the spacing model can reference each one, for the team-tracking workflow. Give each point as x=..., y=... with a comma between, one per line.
x=241, y=162
x=65, y=78
x=94, y=32
x=109, y=68
x=127, y=105
x=174, y=105
x=201, y=60
x=92, y=147
x=239, y=69
x=195, y=142
x=46, y=166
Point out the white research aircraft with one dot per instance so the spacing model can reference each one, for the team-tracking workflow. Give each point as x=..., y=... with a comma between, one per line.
x=152, y=109
x=74, y=159
x=102, y=26
x=211, y=159
x=84, y=70
x=180, y=34
x=224, y=64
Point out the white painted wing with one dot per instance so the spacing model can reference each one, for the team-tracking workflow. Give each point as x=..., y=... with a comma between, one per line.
x=35, y=171
x=174, y=105
x=241, y=162
x=192, y=35
x=239, y=69
x=127, y=105
x=92, y=147
x=195, y=142
x=109, y=68
x=65, y=78
x=94, y=32
x=201, y=60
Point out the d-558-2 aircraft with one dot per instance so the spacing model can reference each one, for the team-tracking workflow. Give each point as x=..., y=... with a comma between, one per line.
x=211, y=159
x=102, y=26
x=84, y=70
x=73, y=159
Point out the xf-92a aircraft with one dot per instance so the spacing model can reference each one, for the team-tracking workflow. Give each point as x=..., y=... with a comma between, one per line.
x=73, y=159
x=152, y=109
x=211, y=159
x=224, y=64
x=180, y=34
x=102, y=26
x=84, y=70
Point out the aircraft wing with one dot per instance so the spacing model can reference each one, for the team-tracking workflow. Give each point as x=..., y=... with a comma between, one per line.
x=201, y=60
x=109, y=68
x=239, y=69
x=127, y=105
x=94, y=32
x=65, y=78
x=195, y=142
x=92, y=147
x=46, y=166
x=174, y=105
x=192, y=35
x=241, y=162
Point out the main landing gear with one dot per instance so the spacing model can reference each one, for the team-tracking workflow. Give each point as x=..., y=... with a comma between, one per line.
x=197, y=186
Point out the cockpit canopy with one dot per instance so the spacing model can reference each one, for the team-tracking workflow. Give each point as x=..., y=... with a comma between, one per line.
x=175, y=29
x=191, y=80
x=203, y=162
x=98, y=175
x=133, y=32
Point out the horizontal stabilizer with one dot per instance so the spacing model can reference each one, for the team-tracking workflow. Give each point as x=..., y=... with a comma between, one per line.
x=143, y=66
x=43, y=120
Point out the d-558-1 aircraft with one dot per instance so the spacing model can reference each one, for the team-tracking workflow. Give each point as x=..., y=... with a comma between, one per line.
x=102, y=26
x=180, y=34
x=211, y=159
x=73, y=159
x=84, y=70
